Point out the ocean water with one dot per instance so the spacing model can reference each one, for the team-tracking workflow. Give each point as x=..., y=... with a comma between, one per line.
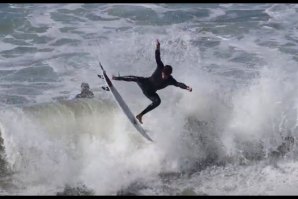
x=235, y=134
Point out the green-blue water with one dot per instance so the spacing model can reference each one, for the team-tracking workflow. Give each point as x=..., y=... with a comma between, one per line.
x=235, y=134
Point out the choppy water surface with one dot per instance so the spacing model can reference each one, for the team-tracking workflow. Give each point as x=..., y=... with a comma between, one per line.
x=235, y=134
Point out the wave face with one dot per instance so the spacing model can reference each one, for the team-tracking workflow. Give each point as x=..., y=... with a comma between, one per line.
x=235, y=134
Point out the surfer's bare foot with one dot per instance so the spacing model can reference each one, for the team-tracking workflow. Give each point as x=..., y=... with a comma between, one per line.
x=139, y=117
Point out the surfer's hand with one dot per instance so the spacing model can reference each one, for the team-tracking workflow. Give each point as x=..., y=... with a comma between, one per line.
x=189, y=89
x=157, y=44
x=113, y=77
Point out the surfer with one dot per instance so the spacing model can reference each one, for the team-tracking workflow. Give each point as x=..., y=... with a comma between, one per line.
x=85, y=91
x=160, y=79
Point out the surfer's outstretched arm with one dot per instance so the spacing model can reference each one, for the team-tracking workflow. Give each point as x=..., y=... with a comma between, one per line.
x=181, y=85
x=157, y=55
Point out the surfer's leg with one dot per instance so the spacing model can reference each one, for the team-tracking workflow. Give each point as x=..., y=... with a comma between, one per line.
x=155, y=103
x=129, y=78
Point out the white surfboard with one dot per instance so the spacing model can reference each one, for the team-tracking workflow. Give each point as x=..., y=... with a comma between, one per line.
x=122, y=104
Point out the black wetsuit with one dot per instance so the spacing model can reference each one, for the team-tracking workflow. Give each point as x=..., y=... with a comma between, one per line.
x=150, y=85
x=85, y=94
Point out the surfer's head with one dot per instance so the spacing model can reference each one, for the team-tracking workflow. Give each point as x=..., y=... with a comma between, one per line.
x=166, y=72
x=85, y=86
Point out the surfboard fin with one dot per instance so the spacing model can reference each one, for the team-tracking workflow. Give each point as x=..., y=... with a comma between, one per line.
x=100, y=76
x=105, y=88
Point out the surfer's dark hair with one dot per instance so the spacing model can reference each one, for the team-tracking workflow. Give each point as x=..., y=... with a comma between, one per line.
x=167, y=69
x=85, y=85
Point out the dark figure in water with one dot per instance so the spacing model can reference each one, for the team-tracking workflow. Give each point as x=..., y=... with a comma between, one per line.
x=160, y=79
x=285, y=147
x=85, y=91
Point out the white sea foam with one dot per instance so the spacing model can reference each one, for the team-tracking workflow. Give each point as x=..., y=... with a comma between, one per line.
x=243, y=78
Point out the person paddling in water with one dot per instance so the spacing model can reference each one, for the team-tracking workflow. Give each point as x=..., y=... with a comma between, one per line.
x=160, y=79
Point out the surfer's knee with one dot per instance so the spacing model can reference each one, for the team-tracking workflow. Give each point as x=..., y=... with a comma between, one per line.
x=156, y=101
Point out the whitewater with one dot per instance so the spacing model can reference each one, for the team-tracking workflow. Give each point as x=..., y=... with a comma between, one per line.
x=234, y=134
